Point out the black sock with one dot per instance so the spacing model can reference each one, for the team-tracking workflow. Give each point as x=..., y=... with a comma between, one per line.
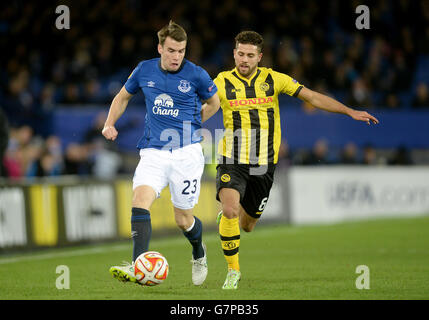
x=141, y=231
x=195, y=236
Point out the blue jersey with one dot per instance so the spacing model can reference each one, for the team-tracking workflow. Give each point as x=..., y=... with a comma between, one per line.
x=173, y=102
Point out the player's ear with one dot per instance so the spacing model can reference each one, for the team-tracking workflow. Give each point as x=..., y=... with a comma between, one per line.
x=159, y=48
x=259, y=57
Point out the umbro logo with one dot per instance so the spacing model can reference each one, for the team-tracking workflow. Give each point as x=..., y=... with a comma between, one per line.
x=151, y=84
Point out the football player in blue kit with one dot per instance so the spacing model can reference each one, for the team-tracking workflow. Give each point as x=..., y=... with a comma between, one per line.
x=175, y=90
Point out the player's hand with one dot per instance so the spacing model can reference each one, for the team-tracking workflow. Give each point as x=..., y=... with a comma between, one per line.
x=110, y=132
x=363, y=116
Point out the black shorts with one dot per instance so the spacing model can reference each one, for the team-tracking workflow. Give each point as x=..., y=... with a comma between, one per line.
x=253, y=184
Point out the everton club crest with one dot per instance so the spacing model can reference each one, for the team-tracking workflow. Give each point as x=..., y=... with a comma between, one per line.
x=184, y=86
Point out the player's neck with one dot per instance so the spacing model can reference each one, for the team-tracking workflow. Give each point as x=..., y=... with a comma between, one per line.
x=164, y=69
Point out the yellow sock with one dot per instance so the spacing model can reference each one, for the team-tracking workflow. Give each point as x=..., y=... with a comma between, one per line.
x=229, y=230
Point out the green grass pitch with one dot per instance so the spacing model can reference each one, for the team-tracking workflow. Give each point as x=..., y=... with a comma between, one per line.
x=277, y=262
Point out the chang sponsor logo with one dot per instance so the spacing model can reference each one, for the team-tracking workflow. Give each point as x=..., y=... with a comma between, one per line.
x=163, y=105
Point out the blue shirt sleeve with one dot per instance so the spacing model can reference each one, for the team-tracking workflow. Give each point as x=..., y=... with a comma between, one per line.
x=206, y=87
x=132, y=85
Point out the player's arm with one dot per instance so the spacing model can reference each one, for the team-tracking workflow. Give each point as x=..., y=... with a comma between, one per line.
x=324, y=102
x=210, y=107
x=117, y=108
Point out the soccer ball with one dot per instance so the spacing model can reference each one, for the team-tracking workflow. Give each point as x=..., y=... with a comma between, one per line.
x=151, y=268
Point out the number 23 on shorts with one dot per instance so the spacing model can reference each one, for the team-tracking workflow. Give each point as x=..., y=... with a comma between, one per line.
x=190, y=186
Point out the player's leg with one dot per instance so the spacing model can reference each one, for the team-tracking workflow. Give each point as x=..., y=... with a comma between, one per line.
x=247, y=223
x=141, y=231
x=148, y=181
x=185, y=184
x=229, y=226
x=229, y=231
x=141, y=225
x=184, y=218
x=231, y=183
x=255, y=199
x=192, y=229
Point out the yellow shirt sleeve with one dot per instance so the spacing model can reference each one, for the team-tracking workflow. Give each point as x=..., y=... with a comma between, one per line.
x=287, y=84
x=219, y=82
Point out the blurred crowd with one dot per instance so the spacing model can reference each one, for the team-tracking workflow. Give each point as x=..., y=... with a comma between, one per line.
x=350, y=154
x=28, y=155
x=315, y=42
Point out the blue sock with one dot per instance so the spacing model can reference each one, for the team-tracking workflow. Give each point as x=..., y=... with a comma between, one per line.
x=195, y=236
x=141, y=231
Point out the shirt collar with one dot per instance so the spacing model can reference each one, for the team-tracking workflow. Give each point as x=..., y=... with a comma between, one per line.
x=172, y=72
x=244, y=78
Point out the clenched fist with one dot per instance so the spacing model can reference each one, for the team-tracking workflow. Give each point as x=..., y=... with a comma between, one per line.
x=110, y=132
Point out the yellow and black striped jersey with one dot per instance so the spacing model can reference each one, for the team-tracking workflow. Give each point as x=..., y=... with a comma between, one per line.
x=251, y=115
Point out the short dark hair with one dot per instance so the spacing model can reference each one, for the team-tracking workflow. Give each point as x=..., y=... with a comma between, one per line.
x=172, y=30
x=250, y=37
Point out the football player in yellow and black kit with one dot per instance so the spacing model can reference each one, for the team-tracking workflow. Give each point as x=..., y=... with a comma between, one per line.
x=250, y=146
